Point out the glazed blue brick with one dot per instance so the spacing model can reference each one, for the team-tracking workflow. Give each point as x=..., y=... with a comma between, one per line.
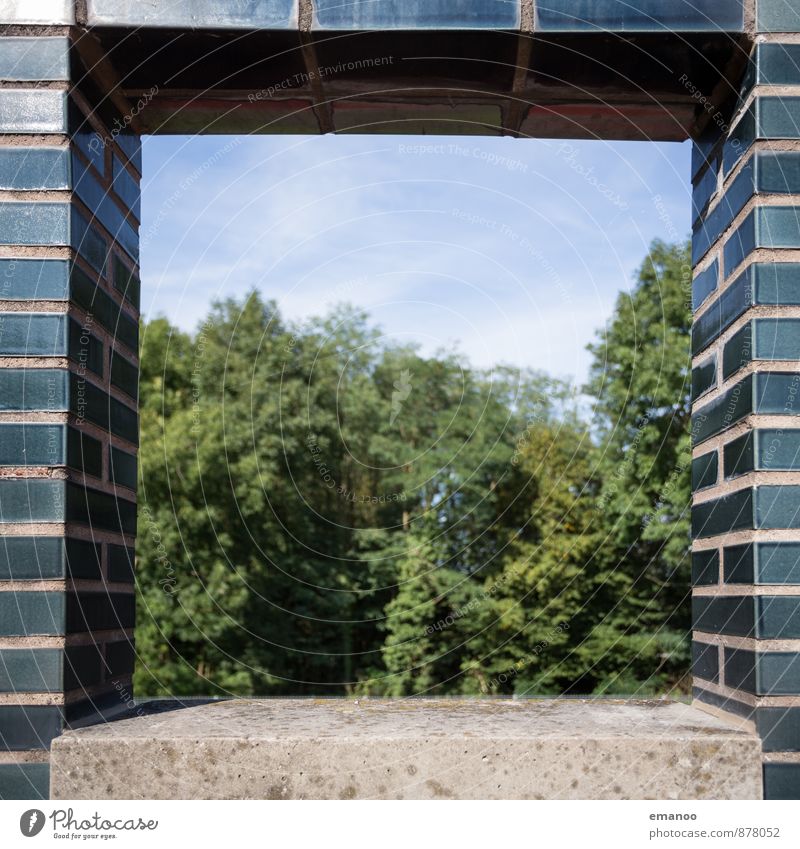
x=24, y=670
x=764, y=227
x=33, y=334
x=97, y=406
x=24, y=781
x=765, y=173
x=34, y=389
x=104, y=611
x=131, y=146
x=766, y=118
x=32, y=613
x=642, y=16
x=703, y=150
x=104, y=309
x=104, y=209
x=31, y=58
x=705, y=567
x=34, y=279
x=33, y=111
x=763, y=563
x=99, y=509
x=704, y=377
x=84, y=347
x=120, y=563
x=48, y=557
x=778, y=16
x=417, y=14
x=724, y=411
x=34, y=223
x=86, y=139
x=123, y=467
x=762, y=673
x=779, y=729
x=704, y=471
x=195, y=14
x=781, y=781
x=763, y=449
x=25, y=727
x=705, y=661
x=48, y=12
x=774, y=63
x=89, y=243
x=726, y=703
x=38, y=168
x=38, y=444
x=704, y=284
x=126, y=282
x=126, y=187
x=124, y=375
x=762, y=339
x=761, y=617
x=721, y=515
x=47, y=501
x=703, y=190
x=768, y=393
x=753, y=508
x=722, y=312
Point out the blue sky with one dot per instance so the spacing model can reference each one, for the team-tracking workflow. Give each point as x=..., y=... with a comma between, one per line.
x=512, y=250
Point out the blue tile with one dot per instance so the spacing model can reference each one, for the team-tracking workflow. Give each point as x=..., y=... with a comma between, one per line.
x=124, y=375
x=127, y=283
x=704, y=284
x=778, y=16
x=763, y=673
x=763, y=563
x=35, y=500
x=24, y=727
x=92, y=403
x=738, y=351
x=734, y=615
x=776, y=64
x=702, y=192
x=705, y=661
x=43, y=557
x=126, y=187
x=778, y=617
x=642, y=16
x=33, y=111
x=85, y=348
x=88, y=242
x=123, y=467
x=704, y=471
x=722, y=312
x=99, y=510
x=194, y=14
x=763, y=449
x=104, y=309
x=765, y=339
x=416, y=14
x=120, y=564
x=781, y=781
x=24, y=58
x=705, y=567
x=777, y=507
x=723, y=412
x=24, y=670
x=25, y=781
x=34, y=223
x=764, y=227
x=34, y=279
x=104, y=209
x=779, y=729
x=27, y=169
x=32, y=613
x=34, y=389
x=33, y=334
x=719, y=516
x=704, y=377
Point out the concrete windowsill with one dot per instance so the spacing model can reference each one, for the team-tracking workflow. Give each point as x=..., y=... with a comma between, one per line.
x=411, y=749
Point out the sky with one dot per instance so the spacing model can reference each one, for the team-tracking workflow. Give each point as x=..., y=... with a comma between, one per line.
x=509, y=250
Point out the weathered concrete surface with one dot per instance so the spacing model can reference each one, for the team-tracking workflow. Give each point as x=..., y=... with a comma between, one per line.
x=411, y=749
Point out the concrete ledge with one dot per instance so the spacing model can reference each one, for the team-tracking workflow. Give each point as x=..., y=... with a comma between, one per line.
x=411, y=749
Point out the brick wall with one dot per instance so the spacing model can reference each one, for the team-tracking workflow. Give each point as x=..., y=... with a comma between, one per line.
x=69, y=300
x=746, y=391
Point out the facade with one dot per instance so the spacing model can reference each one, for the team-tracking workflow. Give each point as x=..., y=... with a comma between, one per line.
x=81, y=82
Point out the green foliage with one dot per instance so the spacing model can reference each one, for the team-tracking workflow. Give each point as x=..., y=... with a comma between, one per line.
x=324, y=513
